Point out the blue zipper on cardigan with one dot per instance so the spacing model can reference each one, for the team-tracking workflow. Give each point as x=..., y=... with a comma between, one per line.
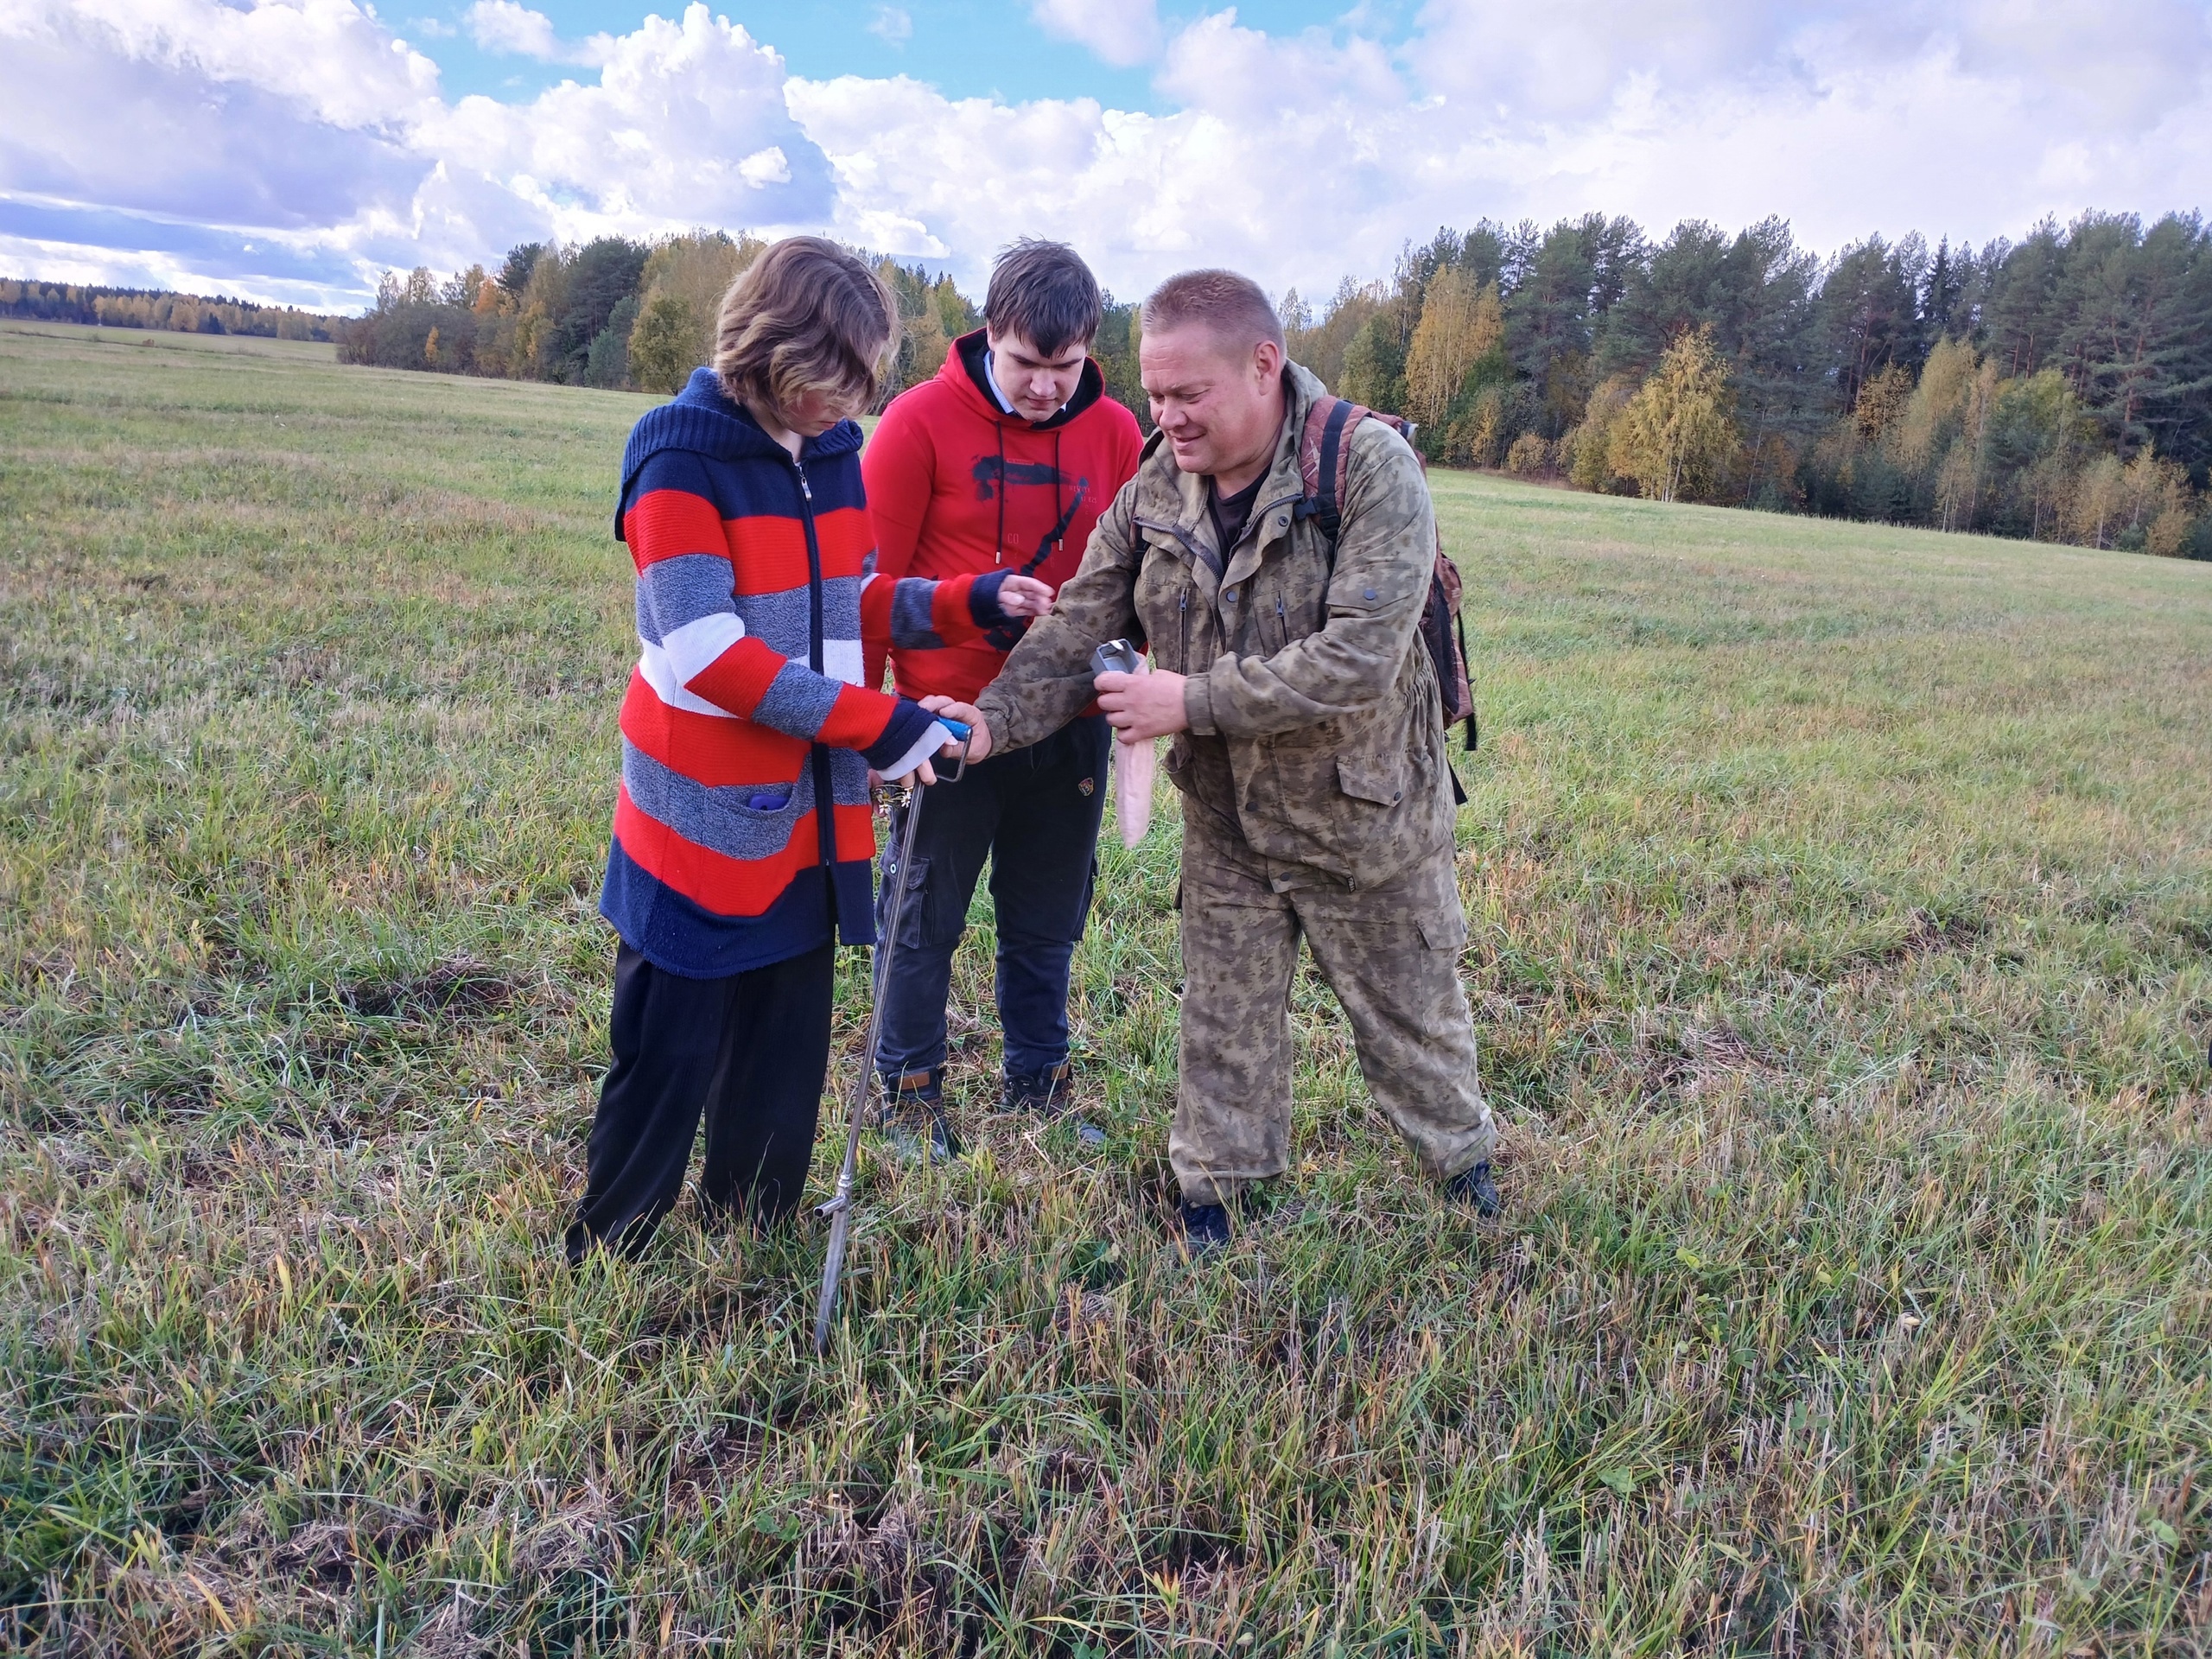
x=826, y=798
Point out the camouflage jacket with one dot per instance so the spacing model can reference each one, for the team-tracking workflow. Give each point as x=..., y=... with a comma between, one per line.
x=1315, y=733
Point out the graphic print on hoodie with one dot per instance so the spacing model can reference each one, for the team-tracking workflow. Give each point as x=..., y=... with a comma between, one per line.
x=957, y=485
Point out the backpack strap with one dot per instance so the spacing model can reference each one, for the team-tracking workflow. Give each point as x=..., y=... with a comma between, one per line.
x=1324, y=460
x=1474, y=717
x=1324, y=467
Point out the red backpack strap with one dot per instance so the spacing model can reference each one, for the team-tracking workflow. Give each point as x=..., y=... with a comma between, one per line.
x=1324, y=460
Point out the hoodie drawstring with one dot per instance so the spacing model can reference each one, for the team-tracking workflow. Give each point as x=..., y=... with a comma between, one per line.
x=1057, y=537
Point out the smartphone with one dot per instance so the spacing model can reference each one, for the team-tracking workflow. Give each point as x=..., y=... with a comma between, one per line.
x=1116, y=656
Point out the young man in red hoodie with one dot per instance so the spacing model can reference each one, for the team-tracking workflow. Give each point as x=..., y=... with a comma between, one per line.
x=1003, y=461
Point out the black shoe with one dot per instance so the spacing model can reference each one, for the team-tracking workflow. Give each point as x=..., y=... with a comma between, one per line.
x=1049, y=1094
x=912, y=1118
x=1205, y=1227
x=1045, y=1092
x=1473, y=1185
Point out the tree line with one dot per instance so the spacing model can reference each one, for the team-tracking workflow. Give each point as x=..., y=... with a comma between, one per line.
x=2058, y=388
x=622, y=315
x=146, y=307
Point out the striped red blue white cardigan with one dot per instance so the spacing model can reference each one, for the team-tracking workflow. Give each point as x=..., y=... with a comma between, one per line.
x=745, y=713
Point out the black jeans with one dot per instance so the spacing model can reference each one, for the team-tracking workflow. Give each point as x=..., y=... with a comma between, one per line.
x=1035, y=813
x=748, y=1051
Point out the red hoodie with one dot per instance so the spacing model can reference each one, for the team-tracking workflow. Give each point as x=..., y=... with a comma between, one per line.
x=956, y=485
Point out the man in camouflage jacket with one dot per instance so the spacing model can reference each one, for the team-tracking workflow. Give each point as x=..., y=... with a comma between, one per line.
x=1308, y=745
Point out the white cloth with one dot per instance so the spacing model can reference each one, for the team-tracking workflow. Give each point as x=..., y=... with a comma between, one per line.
x=1135, y=765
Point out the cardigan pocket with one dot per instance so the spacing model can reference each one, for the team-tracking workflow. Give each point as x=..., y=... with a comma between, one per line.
x=756, y=821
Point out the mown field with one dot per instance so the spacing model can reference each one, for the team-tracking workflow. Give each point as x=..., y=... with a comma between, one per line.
x=1842, y=949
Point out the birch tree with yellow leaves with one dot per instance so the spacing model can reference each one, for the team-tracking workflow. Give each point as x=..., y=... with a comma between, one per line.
x=1677, y=435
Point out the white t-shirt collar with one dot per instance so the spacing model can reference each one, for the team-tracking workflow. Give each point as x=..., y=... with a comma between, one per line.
x=991, y=376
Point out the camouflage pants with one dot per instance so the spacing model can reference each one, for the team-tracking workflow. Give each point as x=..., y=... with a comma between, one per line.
x=1390, y=952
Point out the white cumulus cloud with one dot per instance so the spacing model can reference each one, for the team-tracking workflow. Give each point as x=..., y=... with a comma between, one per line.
x=271, y=144
x=686, y=125
x=1120, y=32
x=1301, y=157
x=157, y=127
x=505, y=26
x=302, y=136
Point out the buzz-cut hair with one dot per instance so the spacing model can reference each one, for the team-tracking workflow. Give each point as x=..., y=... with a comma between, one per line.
x=1044, y=292
x=1230, y=307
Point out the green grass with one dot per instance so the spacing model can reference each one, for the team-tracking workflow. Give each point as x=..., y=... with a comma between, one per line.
x=1842, y=953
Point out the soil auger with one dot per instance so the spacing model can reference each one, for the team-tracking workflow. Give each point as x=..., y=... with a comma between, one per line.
x=839, y=1209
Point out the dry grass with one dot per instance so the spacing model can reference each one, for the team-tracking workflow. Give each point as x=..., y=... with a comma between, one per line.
x=1842, y=942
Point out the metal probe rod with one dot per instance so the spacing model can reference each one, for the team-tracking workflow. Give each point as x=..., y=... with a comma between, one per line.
x=840, y=1207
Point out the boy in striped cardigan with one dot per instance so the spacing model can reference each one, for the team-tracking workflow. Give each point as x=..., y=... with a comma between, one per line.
x=743, y=842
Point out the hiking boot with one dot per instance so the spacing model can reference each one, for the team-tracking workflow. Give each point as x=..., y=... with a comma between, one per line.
x=1048, y=1093
x=1204, y=1228
x=912, y=1118
x=1472, y=1186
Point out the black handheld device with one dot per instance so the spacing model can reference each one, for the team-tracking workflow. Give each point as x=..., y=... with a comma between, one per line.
x=1116, y=656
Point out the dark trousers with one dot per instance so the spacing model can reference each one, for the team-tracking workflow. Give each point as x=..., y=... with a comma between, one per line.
x=1035, y=813
x=748, y=1052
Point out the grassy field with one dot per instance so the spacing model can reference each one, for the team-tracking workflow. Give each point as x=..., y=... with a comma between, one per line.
x=1842, y=950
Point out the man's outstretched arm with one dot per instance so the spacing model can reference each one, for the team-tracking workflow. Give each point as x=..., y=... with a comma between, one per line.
x=1047, y=681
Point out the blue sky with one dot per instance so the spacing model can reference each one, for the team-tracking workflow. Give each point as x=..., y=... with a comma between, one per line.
x=292, y=150
x=965, y=48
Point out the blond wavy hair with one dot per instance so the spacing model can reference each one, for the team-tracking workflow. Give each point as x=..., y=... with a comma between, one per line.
x=805, y=316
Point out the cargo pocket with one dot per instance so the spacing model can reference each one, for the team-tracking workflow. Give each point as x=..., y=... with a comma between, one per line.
x=1444, y=930
x=1175, y=761
x=913, y=915
x=1380, y=780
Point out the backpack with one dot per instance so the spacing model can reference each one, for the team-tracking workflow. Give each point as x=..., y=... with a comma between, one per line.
x=1324, y=459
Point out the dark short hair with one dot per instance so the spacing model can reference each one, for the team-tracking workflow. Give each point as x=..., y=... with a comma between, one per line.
x=1233, y=308
x=1044, y=292
x=805, y=316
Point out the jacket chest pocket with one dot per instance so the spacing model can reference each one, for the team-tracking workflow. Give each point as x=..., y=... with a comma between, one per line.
x=1174, y=617
x=1272, y=623
x=1288, y=596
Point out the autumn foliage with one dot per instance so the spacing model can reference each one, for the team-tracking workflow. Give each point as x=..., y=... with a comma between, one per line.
x=2057, y=389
